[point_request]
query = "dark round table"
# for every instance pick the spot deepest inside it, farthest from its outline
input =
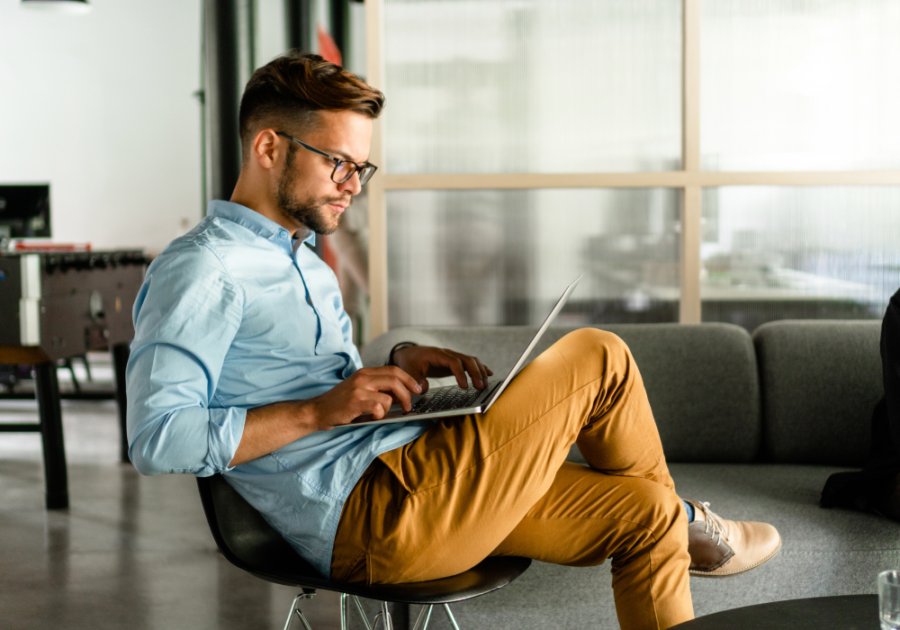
(846, 612)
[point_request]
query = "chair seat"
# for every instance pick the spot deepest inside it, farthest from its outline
(250, 543)
(489, 575)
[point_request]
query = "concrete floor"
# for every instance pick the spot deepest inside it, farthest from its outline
(130, 552)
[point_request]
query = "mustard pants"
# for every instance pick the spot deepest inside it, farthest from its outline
(498, 484)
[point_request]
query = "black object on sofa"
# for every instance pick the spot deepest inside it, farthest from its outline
(754, 425)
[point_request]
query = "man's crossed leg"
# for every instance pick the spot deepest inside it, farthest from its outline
(498, 484)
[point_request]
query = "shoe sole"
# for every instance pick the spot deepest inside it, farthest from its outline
(725, 574)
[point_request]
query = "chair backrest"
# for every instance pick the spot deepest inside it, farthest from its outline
(244, 537)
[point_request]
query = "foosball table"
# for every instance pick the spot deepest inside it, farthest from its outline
(60, 305)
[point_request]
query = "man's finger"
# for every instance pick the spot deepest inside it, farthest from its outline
(375, 374)
(484, 371)
(452, 361)
(378, 405)
(473, 367)
(412, 384)
(396, 386)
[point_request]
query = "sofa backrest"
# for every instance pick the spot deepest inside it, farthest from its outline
(701, 379)
(820, 381)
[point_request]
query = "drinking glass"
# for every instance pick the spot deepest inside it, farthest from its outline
(889, 599)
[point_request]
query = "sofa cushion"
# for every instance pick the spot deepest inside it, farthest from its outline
(701, 379)
(824, 552)
(820, 381)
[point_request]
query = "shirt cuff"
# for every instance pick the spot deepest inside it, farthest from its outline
(226, 426)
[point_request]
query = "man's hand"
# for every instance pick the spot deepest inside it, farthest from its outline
(425, 361)
(366, 391)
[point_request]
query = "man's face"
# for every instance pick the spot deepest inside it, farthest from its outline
(305, 192)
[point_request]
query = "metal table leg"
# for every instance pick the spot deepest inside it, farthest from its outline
(120, 353)
(55, 475)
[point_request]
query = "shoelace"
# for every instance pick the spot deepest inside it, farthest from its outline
(713, 522)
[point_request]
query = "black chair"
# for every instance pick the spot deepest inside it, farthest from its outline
(249, 542)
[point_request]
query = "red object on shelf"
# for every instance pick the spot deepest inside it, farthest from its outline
(328, 49)
(53, 247)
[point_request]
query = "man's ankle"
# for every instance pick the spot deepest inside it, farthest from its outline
(690, 511)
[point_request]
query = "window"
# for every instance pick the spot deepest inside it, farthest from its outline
(732, 161)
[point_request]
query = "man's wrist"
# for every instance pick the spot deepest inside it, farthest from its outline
(397, 348)
(305, 414)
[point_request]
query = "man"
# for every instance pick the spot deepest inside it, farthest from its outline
(876, 488)
(242, 364)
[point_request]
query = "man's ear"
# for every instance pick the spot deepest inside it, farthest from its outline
(266, 148)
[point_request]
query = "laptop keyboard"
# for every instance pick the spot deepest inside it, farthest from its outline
(443, 398)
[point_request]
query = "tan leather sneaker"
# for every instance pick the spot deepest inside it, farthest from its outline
(722, 548)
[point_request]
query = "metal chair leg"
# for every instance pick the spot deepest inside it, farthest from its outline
(302, 619)
(451, 617)
(425, 614)
(387, 622)
(295, 609)
(362, 613)
(385, 616)
(290, 617)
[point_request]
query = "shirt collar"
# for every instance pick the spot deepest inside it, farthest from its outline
(251, 219)
(311, 239)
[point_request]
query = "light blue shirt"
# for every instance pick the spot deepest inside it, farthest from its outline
(231, 316)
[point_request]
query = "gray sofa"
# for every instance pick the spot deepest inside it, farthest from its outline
(754, 425)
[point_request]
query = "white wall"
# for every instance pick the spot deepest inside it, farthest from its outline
(270, 30)
(100, 105)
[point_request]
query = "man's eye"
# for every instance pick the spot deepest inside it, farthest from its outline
(343, 168)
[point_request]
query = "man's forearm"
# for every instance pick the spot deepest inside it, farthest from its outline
(366, 391)
(268, 428)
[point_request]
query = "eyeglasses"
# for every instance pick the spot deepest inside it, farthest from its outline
(343, 169)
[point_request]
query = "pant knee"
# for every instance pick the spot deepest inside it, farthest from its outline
(599, 346)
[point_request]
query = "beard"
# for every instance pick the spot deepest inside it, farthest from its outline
(310, 211)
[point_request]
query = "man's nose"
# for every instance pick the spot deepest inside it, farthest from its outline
(352, 185)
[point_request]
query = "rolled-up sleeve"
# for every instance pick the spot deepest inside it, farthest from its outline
(185, 317)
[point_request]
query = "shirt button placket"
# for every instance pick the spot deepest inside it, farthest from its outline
(312, 306)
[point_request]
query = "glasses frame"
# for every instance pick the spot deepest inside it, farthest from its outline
(362, 169)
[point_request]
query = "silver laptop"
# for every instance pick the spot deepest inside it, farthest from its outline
(439, 402)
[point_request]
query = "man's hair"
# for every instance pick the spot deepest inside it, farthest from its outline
(288, 91)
